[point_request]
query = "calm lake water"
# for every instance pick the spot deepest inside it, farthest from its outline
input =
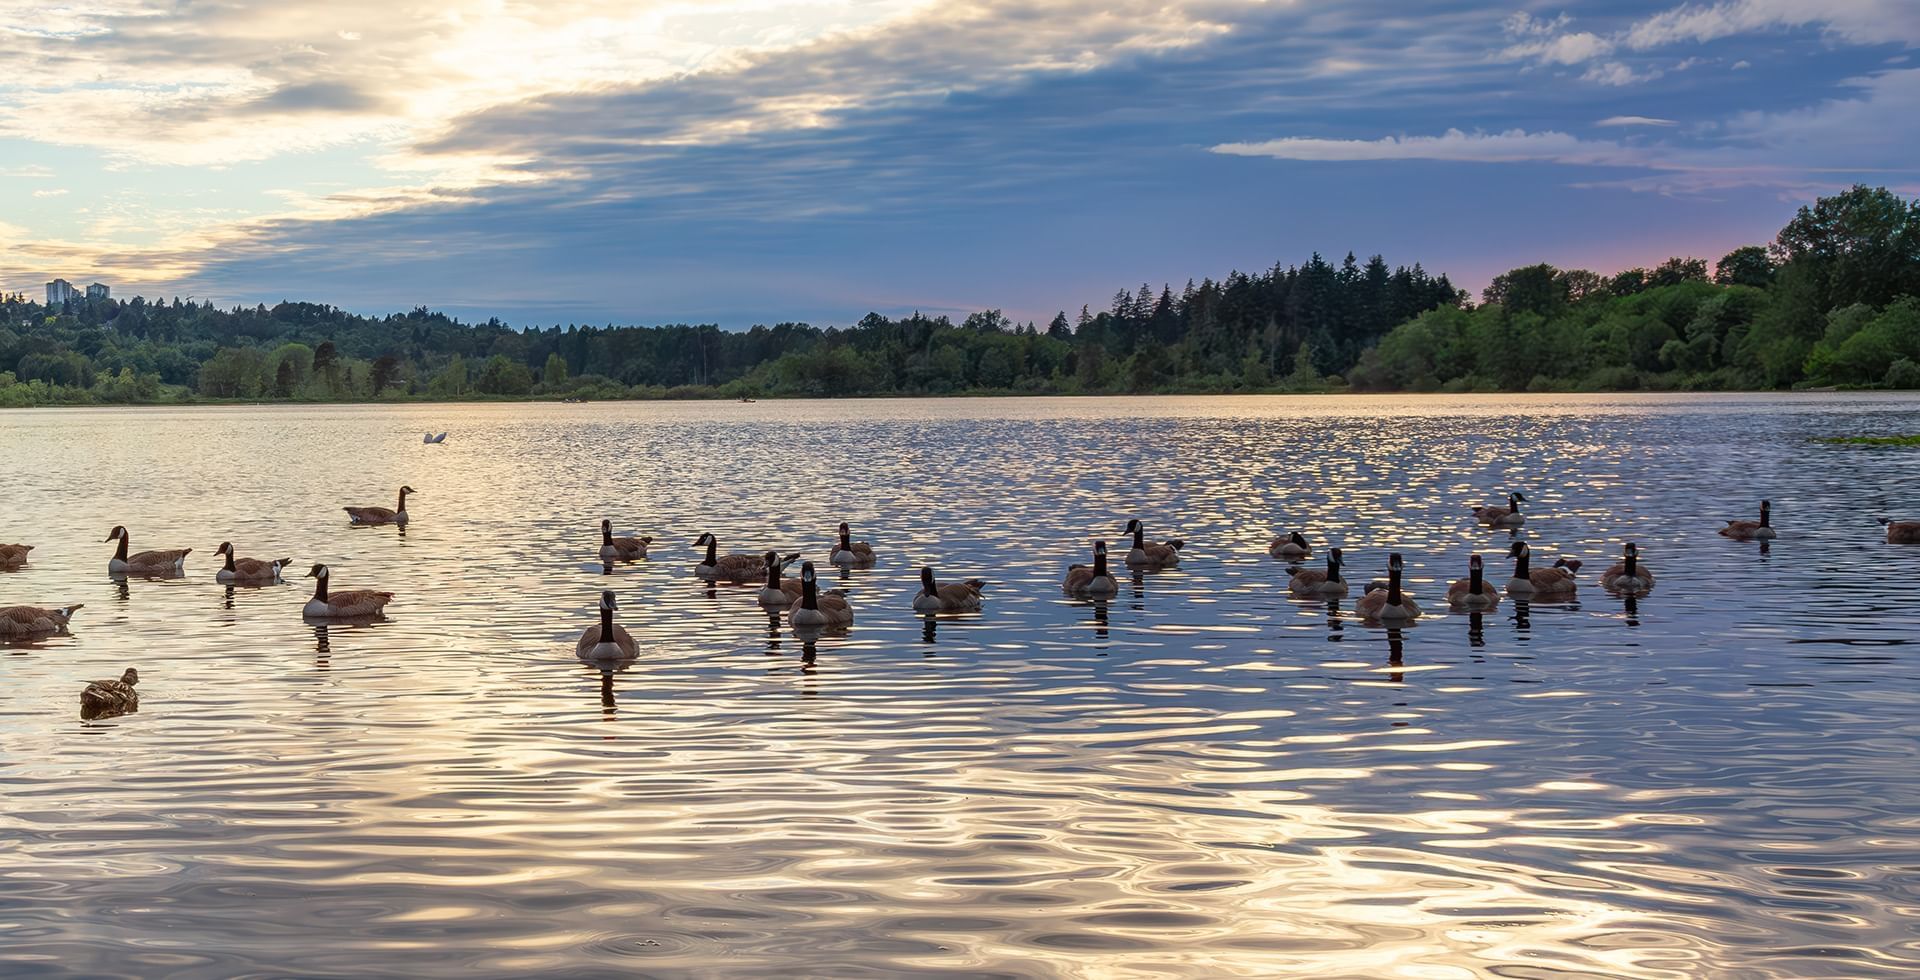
(1200, 778)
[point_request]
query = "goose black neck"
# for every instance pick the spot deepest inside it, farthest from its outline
(1139, 535)
(1513, 503)
(1333, 568)
(926, 582)
(403, 500)
(229, 559)
(606, 623)
(713, 550)
(320, 587)
(1632, 564)
(606, 533)
(1099, 564)
(1475, 575)
(773, 574)
(121, 552)
(1520, 564)
(846, 543)
(1766, 514)
(809, 594)
(1393, 584)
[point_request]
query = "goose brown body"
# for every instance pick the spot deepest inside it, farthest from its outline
(381, 515)
(1319, 582)
(1388, 602)
(606, 639)
(1474, 591)
(777, 590)
(951, 597)
(1760, 530)
(33, 620)
(1151, 554)
(735, 569)
(817, 608)
(144, 562)
(1508, 516)
(352, 604)
(621, 549)
(245, 570)
(1556, 580)
(1289, 546)
(849, 553)
(1091, 580)
(1902, 532)
(14, 555)
(109, 699)
(1628, 574)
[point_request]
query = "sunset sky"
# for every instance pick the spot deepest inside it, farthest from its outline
(744, 161)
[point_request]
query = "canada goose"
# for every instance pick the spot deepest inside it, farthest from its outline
(1092, 580)
(1314, 582)
(737, 569)
(1147, 554)
(624, 549)
(1527, 580)
(30, 620)
(848, 553)
(1508, 516)
(110, 699)
(957, 597)
(14, 555)
(381, 515)
(778, 591)
(1389, 603)
(341, 605)
(1760, 530)
(1474, 591)
(1898, 532)
(1628, 575)
(1293, 545)
(430, 437)
(145, 562)
(247, 569)
(606, 640)
(817, 608)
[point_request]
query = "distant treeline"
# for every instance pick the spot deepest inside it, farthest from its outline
(1830, 301)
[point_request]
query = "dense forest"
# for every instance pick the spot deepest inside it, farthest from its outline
(1832, 301)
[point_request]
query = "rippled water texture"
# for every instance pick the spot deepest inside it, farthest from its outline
(1200, 778)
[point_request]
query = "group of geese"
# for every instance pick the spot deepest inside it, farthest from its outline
(808, 607)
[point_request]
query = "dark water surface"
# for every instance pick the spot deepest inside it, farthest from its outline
(1200, 778)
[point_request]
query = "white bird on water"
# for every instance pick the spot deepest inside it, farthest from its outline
(430, 437)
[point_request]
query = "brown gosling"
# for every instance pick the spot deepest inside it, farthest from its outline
(1902, 532)
(1474, 591)
(1150, 554)
(1091, 580)
(168, 562)
(14, 555)
(1314, 582)
(606, 640)
(736, 569)
(620, 549)
(816, 608)
(370, 516)
(341, 605)
(1508, 516)
(778, 591)
(848, 553)
(248, 569)
(111, 699)
(954, 597)
(1388, 604)
(1530, 581)
(1760, 530)
(33, 620)
(1291, 547)
(1628, 575)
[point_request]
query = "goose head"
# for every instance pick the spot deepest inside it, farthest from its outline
(130, 677)
(226, 548)
(1632, 551)
(1474, 564)
(706, 537)
(1519, 548)
(607, 600)
(1133, 526)
(1298, 538)
(926, 579)
(118, 532)
(806, 573)
(317, 571)
(1099, 549)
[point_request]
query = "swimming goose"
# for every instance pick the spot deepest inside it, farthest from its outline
(1293, 545)
(109, 699)
(606, 640)
(1148, 554)
(1508, 516)
(1902, 532)
(624, 549)
(778, 591)
(248, 569)
(144, 562)
(817, 608)
(1760, 530)
(1527, 580)
(29, 620)
(14, 555)
(737, 569)
(1314, 582)
(848, 553)
(341, 605)
(1094, 580)
(1474, 591)
(381, 515)
(1389, 603)
(957, 597)
(1628, 575)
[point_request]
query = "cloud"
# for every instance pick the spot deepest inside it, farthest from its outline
(1617, 74)
(1635, 121)
(1852, 21)
(310, 97)
(30, 172)
(51, 192)
(1511, 146)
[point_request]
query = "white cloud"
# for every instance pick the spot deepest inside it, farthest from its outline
(1546, 42)
(1617, 73)
(1635, 121)
(1566, 49)
(30, 172)
(1511, 146)
(52, 192)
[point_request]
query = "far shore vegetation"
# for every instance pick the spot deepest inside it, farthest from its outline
(1832, 301)
(1912, 440)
